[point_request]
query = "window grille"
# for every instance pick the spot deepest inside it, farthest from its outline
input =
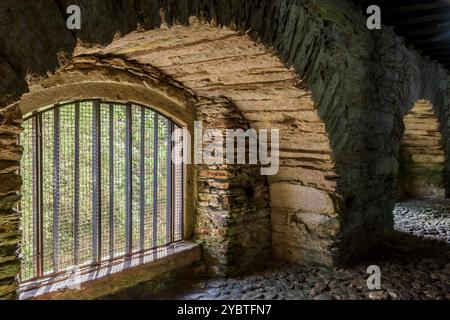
(98, 185)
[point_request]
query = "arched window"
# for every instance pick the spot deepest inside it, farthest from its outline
(99, 184)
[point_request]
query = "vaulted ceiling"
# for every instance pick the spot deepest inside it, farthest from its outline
(424, 23)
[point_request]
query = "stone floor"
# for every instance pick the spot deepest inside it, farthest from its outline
(427, 219)
(415, 264)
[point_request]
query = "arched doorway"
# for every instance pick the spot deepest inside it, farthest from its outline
(422, 159)
(422, 208)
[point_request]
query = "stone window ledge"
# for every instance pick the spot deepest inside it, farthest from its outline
(111, 277)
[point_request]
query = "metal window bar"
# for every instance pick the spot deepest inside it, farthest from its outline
(128, 173)
(142, 182)
(182, 201)
(40, 183)
(169, 193)
(96, 183)
(111, 181)
(155, 181)
(178, 178)
(76, 187)
(37, 187)
(181, 213)
(174, 207)
(56, 242)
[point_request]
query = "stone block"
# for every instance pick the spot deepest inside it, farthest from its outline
(9, 166)
(9, 183)
(300, 198)
(9, 201)
(386, 166)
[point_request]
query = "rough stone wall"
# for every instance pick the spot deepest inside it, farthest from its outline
(233, 214)
(362, 82)
(421, 154)
(10, 183)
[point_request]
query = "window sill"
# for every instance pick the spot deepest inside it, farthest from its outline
(108, 278)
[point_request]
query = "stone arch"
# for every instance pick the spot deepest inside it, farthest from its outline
(422, 157)
(246, 78)
(219, 62)
(66, 86)
(312, 38)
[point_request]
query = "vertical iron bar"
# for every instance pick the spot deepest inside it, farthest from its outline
(96, 183)
(56, 141)
(35, 161)
(169, 202)
(128, 183)
(34, 197)
(175, 216)
(76, 186)
(111, 181)
(37, 186)
(155, 180)
(142, 182)
(41, 194)
(182, 166)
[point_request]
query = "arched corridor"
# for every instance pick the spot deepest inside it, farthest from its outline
(422, 208)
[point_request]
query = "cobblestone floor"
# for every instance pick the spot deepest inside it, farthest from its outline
(427, 219)
(415, 264)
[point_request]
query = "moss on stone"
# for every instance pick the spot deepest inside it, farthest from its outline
(9, 201)
(9, 269)
(8, 287)
(330, 12)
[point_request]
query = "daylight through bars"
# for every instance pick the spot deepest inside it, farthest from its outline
(99, 184)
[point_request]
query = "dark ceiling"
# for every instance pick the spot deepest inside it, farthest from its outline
(424, 23)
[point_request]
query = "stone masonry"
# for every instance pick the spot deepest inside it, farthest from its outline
(10, 237)
(233, 214)
(337, 91)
